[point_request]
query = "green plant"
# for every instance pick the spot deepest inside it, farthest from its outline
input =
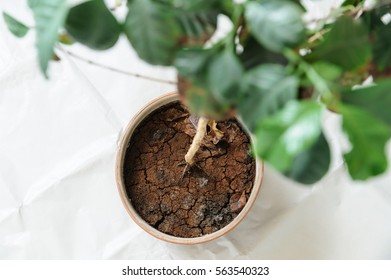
(271, 69)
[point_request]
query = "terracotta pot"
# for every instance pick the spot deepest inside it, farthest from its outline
(127, 134)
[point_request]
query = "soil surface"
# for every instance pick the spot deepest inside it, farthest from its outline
(201, 200)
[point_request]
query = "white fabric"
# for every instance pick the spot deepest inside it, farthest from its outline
(58, 198)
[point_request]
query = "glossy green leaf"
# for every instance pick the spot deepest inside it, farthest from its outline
(196, 20)
(168, 28)
(224, 75)
(15, 26)
(254, 54)
(311, 165)
(276, 24)
(346, 45)
(368, 137)
(327, 70)
(282, 137)
(351, 2)
(193, 5)
(192, 61)
(227, 6)
(196, 27)
(152, 30)
(382, 47)
(49, 16)
(267, 88)
(92, 24)
(375, 99)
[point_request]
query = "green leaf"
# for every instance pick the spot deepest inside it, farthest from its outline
(14, 26)
(267, 88)
(327, 70)
(224, 75)
(193, 5)
(382, 47)
(196, 27)
(282, 137)
(196, 82)
(352, 2)
(93, 25)
(227, 7)
(368, 137)
(167, 29)
(152, 30)
(346, 45)
(276, 24)
(192, 61)
(49, 16)
(380, 35)
(254, 54)
(312, 164)
(197, 20)
(375, 99)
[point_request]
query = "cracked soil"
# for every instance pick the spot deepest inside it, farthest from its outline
(201, 202)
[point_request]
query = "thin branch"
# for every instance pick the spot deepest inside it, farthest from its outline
(317, 35)
(107, 67)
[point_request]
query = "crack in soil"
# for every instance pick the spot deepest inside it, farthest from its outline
(199, 204)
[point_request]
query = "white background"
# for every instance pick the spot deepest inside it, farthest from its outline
(58, 198)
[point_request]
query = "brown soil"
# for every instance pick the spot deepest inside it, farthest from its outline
(208, 197)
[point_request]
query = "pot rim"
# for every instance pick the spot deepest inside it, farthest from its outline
(121, 151)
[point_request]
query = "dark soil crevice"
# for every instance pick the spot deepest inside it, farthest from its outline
(198, 204)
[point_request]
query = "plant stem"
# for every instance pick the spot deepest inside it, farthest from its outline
(115, 69)
(196, 144)
(318, 82)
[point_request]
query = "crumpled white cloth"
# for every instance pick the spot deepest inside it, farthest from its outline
(58, 198)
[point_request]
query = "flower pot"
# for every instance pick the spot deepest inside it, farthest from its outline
(119, 171)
